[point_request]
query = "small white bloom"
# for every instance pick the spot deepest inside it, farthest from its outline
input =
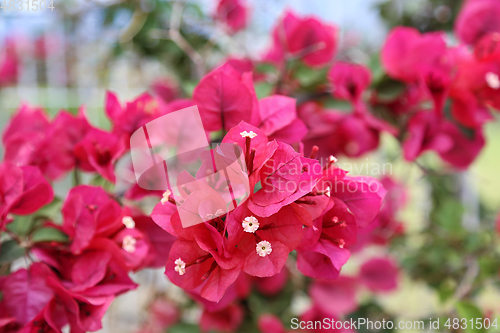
(219, 212)
(341, 243)
(264, 248)
(128, 243)
(180, 266)
(250, 224)
(327, 192)
(332, 159)
(128, 222)
(492, 80)
(250, 134)
(166, 196)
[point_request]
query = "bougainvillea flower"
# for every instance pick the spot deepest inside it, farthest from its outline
(278, 119)
(98, 151)
(349, 80)
(190, 266)
(322, 260)
(232, 13)
(379, 274)
(272, 285)
(88, 212)
(227, 320)
(467, 144)
(26, 293)
(386, 224)
(9, 63)
(475, 89)
(165, 89)
(307, 38)
(335, 297)
(226, 97)
(126, 119)
(447, 139)
(477, 18)
(23, 190)
(46, 145)
(285, 177)
(336, 132)
(407, 54)
(424, 134)
(266, 248)
(269, 323)
(424, 58)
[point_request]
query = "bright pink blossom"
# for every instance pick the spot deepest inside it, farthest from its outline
(232, 13)
(477, 18)
(379, 275)
(226, 97)
(307, 38)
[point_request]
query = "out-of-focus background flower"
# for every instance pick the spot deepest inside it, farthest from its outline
(72, 55)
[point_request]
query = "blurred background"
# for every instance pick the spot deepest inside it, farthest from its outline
(69, 56)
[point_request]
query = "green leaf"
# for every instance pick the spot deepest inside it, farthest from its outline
(184, 328)
(263, 89)
(21, 225)
(10, 251)
(52, 210)
(388, 90)
(338, 104)
(101, 182)
(308, 76)
(469, 311)
(49, 235)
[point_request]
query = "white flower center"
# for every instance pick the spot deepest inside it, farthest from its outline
(128, 222)
(128, 243)
(327, 192)
(492, 80)
(250, 134)
(341, 243)
(263, 248)
(332, 159)
(250, 224)
(180, 266)
(166, 196)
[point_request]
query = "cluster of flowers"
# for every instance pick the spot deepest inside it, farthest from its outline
(446, 92)
(319, 217)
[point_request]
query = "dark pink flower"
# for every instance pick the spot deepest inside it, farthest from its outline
(418, 58)
(477, 18)
(225, 97)
(210, 266)
(127, 119)
(269, 323)
(26, 293)
(31, 140)
(307, 38)
(89, 212)
(272, 285)
(379, 274)
(335, 297)
(455, 146)
(232, 13)
(266, 241)
(226, 321)
(336, 132)
(349, 80)
(475, 89)
(98, 151)
(165, 89)
(285, 177)
(9, 63)
(23, 190)
(279, 121)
